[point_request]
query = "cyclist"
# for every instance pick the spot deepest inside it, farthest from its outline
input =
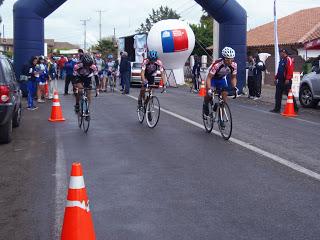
(149, 69)
(217, 77)
(83, 72)
(110, 70)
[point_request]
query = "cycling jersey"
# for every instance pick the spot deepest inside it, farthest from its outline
(100, 65)
(110, 67)
(219, 70)
(150, 69)
(84, 74)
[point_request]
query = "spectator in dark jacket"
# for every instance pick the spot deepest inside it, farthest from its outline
(251, 65)
(196, 73)
(283, 80)
(68, 68)
(125, 71)
(259, 68)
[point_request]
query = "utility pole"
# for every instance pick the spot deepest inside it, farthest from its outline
(100, 24)
(84, 23)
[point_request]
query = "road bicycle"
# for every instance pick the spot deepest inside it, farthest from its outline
(112, 82)
(150, 108)
(84, 113)
(220, 113)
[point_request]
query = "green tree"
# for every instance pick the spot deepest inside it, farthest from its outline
(204, 34)
(106, 46)
(157, 15)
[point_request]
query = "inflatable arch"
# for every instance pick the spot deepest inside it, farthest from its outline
(29, 18)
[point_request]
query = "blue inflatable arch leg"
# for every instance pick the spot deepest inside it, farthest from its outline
(29, 18)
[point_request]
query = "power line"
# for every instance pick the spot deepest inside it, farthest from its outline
(100, 24)
(84, 23)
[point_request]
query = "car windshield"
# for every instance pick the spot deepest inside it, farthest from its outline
(136, 65)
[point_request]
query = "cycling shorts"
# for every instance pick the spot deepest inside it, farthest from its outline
(221, 84)
(150, 81)
(86, 81)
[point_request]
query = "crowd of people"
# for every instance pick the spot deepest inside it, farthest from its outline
(42, 74)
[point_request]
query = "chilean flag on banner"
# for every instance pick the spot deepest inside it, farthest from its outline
(174, 40)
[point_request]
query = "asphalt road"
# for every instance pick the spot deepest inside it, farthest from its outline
(171, 182)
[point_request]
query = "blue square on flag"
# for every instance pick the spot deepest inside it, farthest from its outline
(167, 41)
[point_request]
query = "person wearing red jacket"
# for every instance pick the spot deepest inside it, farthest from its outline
(283, 80)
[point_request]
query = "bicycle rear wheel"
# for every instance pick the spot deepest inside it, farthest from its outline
(112, 84)
(79, 118)
(208, 120)
(85, 116)
(153, 112)
(225, 121)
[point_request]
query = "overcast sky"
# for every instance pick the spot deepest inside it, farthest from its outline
(127, 15)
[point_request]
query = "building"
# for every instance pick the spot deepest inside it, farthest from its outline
(294, 31)
(6, 45)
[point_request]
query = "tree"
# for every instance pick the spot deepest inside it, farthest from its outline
(106, 46)
(203, 33)
(157, 15)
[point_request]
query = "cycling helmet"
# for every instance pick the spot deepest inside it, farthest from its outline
(87, 60)
(110, 56)
(228, 52)
(153, 55)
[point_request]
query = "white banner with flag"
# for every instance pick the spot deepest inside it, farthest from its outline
(276, 40)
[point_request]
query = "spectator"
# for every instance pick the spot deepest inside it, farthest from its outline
(251, 65)
(259, 68)
(196, 73)
(125, 71)
(42, 77)
(283, 80)
(52, 68)
(68, 68)
(32, 82)
(61, 63)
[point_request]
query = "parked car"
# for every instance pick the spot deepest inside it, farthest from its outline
(136, 74)
(10, 100)
(309, 95)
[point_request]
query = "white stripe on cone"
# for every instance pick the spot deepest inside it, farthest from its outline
(55, 96)
(79, 204)
(76, 182)
(56, 104)
(290, 101)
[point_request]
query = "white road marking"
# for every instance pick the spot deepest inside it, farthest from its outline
(248, 146)
(61, 185)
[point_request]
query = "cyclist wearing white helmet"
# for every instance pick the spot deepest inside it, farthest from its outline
(217, 76)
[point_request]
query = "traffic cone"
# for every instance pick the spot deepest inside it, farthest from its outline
(77, 222)
(202, 91)
(289, 108)
(161, 83)
(56, 110)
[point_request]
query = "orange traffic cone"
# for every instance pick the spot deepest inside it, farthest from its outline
(56, 110)
(289, 108)
(161, 83)
(77, 223)
(202, 91)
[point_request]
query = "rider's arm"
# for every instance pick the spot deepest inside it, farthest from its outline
(209, 77)
(234, 80)
(143, 78)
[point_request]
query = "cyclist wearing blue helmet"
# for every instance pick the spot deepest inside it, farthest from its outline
(149, 69)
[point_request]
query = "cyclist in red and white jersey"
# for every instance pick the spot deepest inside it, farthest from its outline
(217, 77)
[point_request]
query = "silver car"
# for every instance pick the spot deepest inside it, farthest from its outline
(309, 95)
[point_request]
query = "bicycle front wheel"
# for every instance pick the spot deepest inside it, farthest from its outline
(225, 121)
(141, 112)
(85, 116)
(153, 112)
(208, 119)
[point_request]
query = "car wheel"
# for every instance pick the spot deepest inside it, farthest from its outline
(306, 97)
(16, 117)
(6, 132)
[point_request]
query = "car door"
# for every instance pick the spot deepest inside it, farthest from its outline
(10, 80)
(316, 83)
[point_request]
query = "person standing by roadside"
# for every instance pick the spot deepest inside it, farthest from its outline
(125, 70)
(52, 68)
(68, 68)
(260, 67)
(32, 82)
(251, 65)
(283, 80)
(196, 73)
(61, 63)
(41, 79)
